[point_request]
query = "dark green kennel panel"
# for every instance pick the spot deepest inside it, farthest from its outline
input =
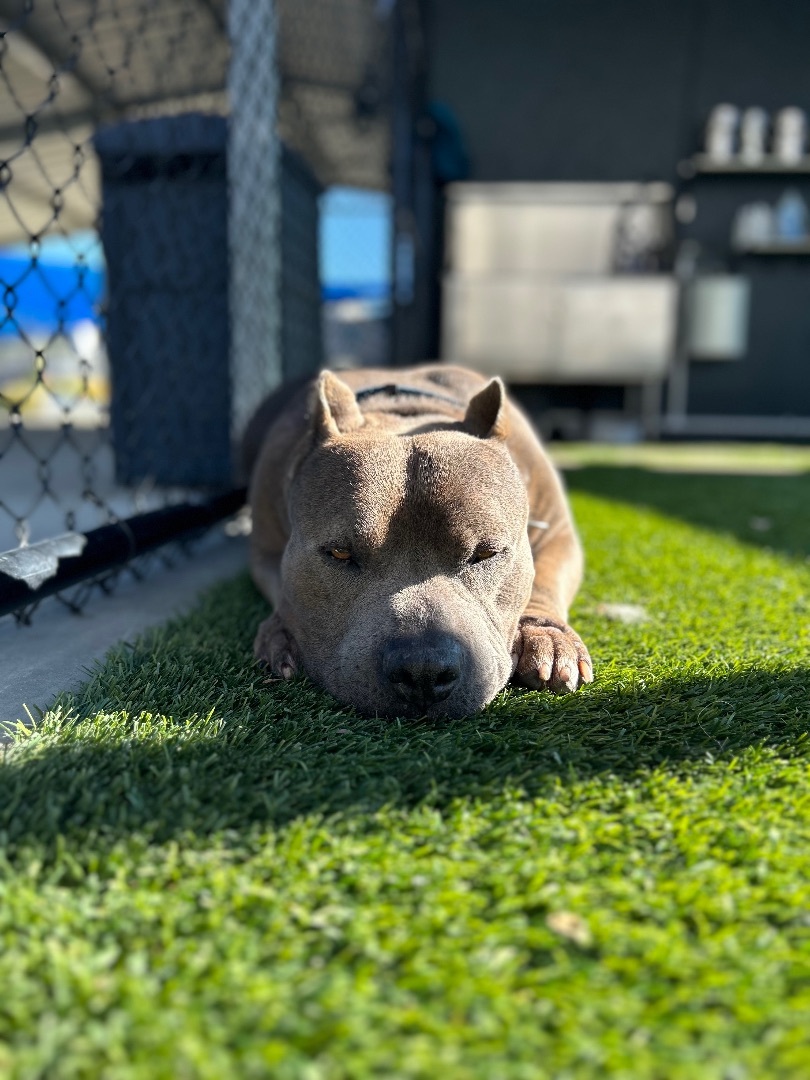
(164, 230)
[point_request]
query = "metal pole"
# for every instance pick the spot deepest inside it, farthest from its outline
(254, 210)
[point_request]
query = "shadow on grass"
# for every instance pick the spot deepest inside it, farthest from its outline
(767, 511)
(301, 755)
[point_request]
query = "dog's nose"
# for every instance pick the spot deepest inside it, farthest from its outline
(422, 670)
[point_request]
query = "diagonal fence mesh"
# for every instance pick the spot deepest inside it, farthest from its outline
(159, 262)
(66, 69)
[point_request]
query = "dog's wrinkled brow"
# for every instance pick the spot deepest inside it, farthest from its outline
(419, 494)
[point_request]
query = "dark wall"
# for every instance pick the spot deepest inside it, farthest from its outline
(607, 89)
(620, 90)
(562, 89)
(751, 52)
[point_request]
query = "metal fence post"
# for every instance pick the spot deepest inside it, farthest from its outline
(254, 208)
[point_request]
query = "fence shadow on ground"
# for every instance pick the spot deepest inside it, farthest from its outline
(267, 772)
(766, 511)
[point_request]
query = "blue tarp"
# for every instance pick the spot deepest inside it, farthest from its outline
(37, 295)
(64, 281)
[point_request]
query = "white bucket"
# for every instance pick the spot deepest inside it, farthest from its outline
(717, 317)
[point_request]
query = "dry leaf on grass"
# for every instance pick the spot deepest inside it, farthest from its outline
(760, 524)
(570, 926)
(626, 613)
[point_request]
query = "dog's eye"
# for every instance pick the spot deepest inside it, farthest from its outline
(482, 552)
(343, 554)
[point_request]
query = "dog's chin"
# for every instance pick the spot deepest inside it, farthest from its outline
(401, 710)
(441, 711)
(467, 701)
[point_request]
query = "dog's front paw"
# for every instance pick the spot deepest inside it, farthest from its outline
(550, 654)
(275, 647)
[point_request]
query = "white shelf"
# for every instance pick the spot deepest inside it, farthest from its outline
(776, 247)
(702, 163)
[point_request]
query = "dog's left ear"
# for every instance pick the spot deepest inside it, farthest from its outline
(486, 414)
(336, 410)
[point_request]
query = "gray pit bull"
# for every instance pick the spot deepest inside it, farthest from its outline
(414, 541)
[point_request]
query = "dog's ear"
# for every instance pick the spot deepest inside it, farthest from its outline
(486, 414)
(335, 411)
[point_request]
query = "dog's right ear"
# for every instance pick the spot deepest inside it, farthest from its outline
(335, 411)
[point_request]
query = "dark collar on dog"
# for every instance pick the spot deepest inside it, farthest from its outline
(395, 390)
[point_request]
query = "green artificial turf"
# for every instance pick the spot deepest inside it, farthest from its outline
(206, 873)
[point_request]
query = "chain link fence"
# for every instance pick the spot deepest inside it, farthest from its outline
(162, 166)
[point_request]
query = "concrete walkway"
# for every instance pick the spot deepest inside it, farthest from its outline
(55, 652)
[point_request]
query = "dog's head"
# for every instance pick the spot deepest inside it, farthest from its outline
(408, 564)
